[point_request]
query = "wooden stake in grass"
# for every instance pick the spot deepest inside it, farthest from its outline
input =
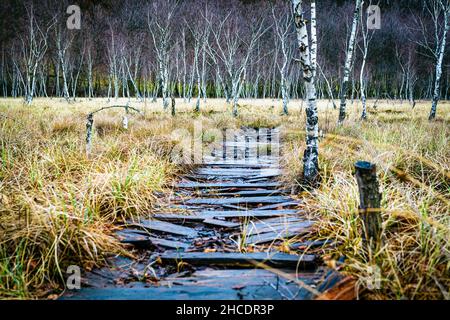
(90, 123)
(89, 126)
(370, 198)
(173, 106)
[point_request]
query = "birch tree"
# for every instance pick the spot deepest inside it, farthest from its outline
(233, 48)
(161, 31)
(349, 61)
(34, 45)
(311, 154)
(282, 26)
(367, 36)
(439, 11)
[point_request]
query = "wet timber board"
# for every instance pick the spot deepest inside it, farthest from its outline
(240, 259)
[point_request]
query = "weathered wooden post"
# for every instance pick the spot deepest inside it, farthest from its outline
(125, 118)
(369, 201)
(247, 146)
(224, 143)
(89, 126)
(235, 147)
(173, 106)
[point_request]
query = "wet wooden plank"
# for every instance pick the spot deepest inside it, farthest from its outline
(276, 220)
(200, 185)
(192, 292)
(140, 240)
(253, 200)
(248, 193)
(247, 214)
(178, 217)
(238, 172)
(165, 227)
(256, 178)
(137, 239)
(240, 259)
(170, 243)
(237, 165)
(278, 235)
(202, 215)
(309, 244)
(279, 205)
(279, 228)
(221, 223)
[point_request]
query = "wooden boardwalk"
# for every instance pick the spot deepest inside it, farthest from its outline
(225, 240)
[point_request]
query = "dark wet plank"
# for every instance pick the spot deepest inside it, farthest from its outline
(236, 165)
(259, 223)
(199, 185)
(169, 243)
(199, 217)
(240, 259)
(248, 193)
(245, 214)
(154, 293)
(165, 227)
(221, 201)
(279, 205)
(279, 235)
(178, 217)
(221, 223)
(237, 172)
(140, 240)
(279, 228)
(309, 244)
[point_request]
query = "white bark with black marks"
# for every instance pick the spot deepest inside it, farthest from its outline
(349, 62)
(311, 154)
(441, 45)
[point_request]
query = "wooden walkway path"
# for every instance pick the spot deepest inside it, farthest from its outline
(224, 242)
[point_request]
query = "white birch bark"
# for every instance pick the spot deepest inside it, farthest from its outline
(348, 62)
(283, 29)
(311, 154)
(440, 57)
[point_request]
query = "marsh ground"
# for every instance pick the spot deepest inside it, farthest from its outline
(58, 206)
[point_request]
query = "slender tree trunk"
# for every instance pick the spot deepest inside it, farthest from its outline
(437, 82)
(311, 155)
(348, 62)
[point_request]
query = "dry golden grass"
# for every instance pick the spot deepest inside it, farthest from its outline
(413, 161)
(58, 207)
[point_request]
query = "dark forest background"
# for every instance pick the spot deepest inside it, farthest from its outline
(397, 66)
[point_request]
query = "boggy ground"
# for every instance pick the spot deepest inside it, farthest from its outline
(59, 207)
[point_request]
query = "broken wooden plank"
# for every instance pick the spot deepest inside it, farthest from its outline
(309, 244)
(278, 235)
(248, 193)
(237, 165)
(280, 228)
(276, 220)
(200, 185)
(279, 205)
(221, 223)
(238, 172)
(178, 217)
(139, 239)
(246, 214)
(169, 243)
(254, 200)
(240, 259)
(165, 227)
